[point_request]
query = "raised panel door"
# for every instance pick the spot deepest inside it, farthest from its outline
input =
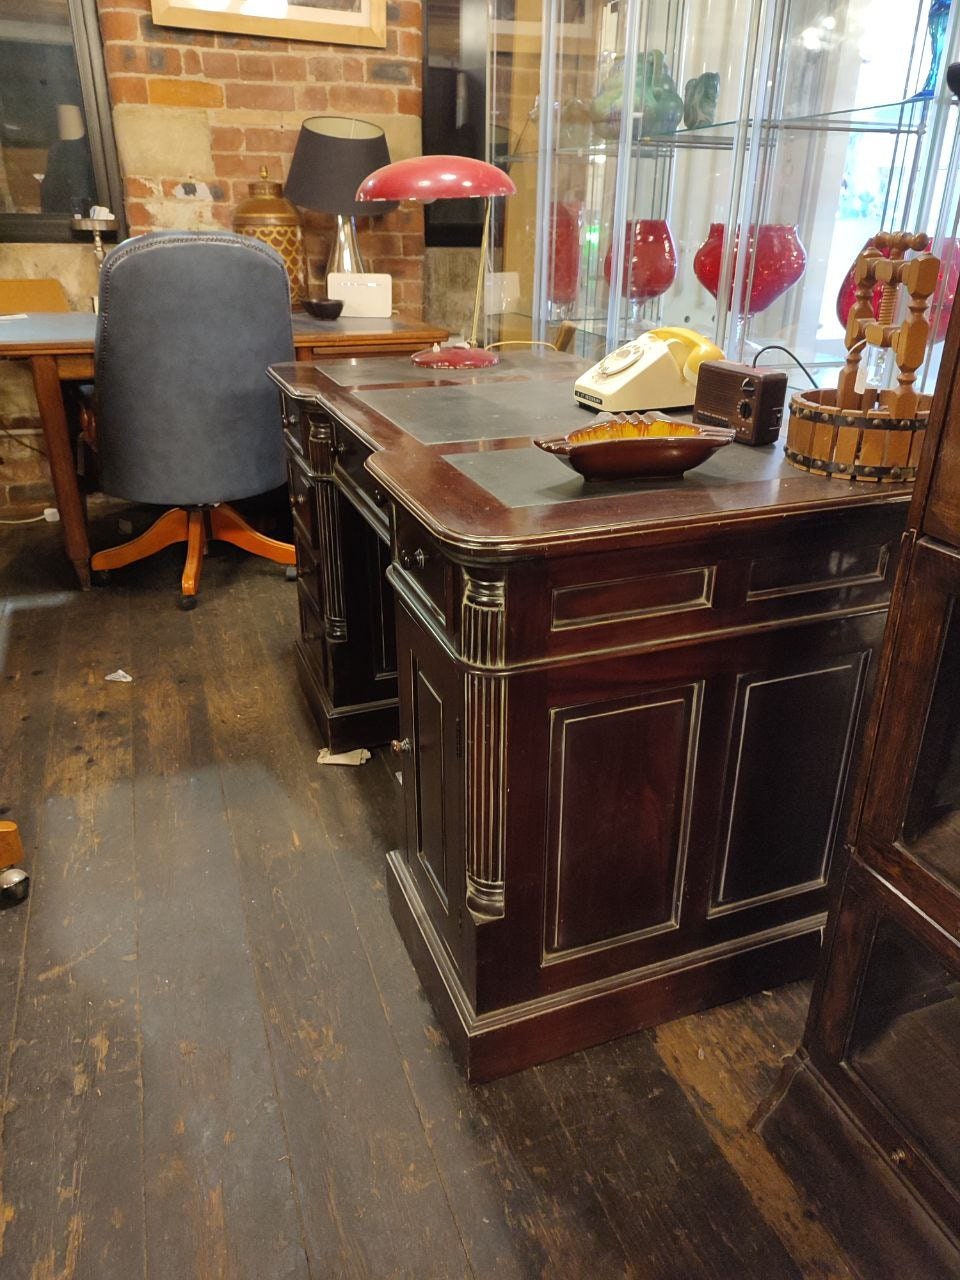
(792, 735)
(430, 749)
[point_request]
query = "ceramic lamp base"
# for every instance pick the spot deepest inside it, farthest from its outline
(455, 358)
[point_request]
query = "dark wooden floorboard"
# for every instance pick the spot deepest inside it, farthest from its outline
(667, 1187)
(220, 1062)
(30, 637)
(213, 1135)
(73, 1184)
(373, 1201)
(523, 1206)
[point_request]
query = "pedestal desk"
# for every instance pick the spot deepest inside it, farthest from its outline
(627, 712)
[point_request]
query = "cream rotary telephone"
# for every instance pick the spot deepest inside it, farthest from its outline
(657, 370)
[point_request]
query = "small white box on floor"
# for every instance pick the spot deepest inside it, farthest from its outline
(364, 293)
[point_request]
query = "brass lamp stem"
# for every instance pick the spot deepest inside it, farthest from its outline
(484, 241)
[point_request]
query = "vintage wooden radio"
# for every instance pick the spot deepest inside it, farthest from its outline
(743, 397)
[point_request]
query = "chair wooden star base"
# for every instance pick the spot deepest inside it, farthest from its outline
(195, 526)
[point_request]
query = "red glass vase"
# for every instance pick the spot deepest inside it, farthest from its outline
(778, 262)
(940, 303)
(649, 260)
(566, 217)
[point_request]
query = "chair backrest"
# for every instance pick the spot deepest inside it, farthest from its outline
(188, 323)
(32, 295)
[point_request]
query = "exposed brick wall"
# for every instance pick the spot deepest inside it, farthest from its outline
(198, 113)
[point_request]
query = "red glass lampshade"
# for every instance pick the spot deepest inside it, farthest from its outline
(649, 260)
(426, 178)
(779, 262)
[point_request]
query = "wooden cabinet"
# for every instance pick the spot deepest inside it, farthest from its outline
(878, 1075)
(625, 778)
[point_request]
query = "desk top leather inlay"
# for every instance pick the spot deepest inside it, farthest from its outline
(528, 477)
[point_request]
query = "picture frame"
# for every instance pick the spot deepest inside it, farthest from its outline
(356, 22)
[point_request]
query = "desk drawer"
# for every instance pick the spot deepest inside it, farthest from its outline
(295, 424)
(303, 500)
(308, 573)
(357, 482)
(422, 560)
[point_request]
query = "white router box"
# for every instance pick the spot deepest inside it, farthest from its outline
(364, 293)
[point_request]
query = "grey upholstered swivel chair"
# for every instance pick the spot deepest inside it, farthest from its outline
(185, 414)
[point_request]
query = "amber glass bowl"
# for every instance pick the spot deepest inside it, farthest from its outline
(633, 447)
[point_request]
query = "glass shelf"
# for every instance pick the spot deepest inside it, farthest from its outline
(885, 117)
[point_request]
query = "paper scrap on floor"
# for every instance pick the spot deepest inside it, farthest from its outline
(326, 756)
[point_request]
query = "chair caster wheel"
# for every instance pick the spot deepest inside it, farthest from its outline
(187, 603)
(290, 573)
(101, 577)
(14, 886)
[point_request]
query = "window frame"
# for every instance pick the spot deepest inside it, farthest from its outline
(56, 228)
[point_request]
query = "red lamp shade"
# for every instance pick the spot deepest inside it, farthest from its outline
(426, 178)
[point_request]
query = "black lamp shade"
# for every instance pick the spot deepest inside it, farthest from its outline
(332, 157)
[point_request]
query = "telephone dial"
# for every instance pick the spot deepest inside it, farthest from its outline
(657, 370)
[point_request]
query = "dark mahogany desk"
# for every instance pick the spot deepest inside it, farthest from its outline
(627, 712)
(60, 346)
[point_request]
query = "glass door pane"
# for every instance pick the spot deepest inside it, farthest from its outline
(931, 828)
(905, 1042)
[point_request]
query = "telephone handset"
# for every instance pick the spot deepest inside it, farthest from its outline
(657, 370)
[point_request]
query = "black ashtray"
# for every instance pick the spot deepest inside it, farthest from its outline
(323, 308)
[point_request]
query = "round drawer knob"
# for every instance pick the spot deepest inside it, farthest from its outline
(401, 746)
(898, 1156)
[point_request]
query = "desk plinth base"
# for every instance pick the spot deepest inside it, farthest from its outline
(347, 727)
(488, 1046)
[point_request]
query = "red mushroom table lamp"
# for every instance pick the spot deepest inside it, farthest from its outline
(427, 178)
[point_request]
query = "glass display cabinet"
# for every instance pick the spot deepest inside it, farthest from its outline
(867, 1114)
(650, 139)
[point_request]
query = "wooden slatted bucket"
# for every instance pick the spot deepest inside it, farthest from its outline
(854, 444)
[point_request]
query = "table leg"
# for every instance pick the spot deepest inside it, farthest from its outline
(53, 418)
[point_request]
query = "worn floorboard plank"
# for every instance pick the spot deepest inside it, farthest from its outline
(373, 1202)
(727, 1061)
(72, 1126)
(662, 1178)
(29, 652)
(522, 1206)
(220, 1201)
